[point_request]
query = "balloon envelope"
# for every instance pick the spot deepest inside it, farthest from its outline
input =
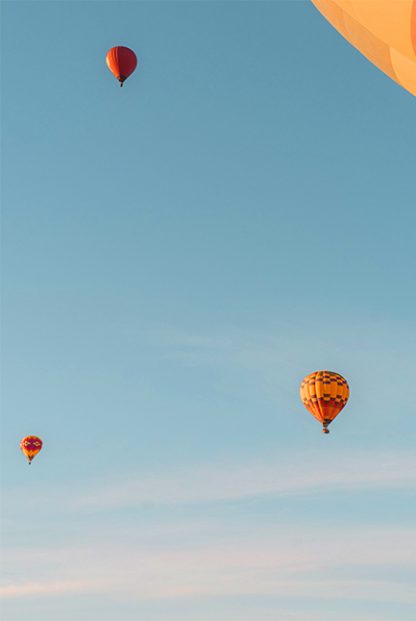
(30, 446)
(121, 61)
(324, 394)
(383, 30)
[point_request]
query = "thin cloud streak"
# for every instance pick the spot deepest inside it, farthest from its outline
(226, 483)
(47, 588)
(360, 589)
(372, 564)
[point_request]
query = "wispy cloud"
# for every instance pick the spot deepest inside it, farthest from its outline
(285, 344)
(274, 357)
(357, 564)
(224, 482)
(185, 558)
(48, 587)
(374, 590)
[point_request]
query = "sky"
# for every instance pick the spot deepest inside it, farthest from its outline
(176, 256)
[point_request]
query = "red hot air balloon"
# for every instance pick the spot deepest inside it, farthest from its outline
(121, 61)
(30, 447)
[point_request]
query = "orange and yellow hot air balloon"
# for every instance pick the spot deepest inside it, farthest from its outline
(30, 447)
(324, 394)
(384, 31)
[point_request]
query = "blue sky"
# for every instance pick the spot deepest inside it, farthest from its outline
(177, 255)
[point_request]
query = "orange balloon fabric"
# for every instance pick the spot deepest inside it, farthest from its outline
(30, 446)
(324, 394)
(121, 61)
(384, 31)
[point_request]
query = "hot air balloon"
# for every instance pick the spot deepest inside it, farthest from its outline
(383, 30)
(30, 447)
(121, 61)
(324, 394)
